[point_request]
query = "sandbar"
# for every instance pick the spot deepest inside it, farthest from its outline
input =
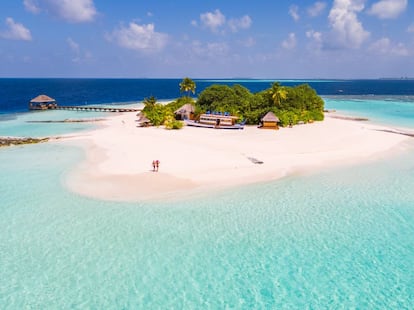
(119, 155)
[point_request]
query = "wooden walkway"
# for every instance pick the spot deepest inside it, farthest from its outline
(96, 109)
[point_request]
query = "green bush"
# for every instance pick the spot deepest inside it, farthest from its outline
(288, 118)
(156, 114)
(177, 125)
(290, 104)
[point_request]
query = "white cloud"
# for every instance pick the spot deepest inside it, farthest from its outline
(316, 39)
(209, 49)
(249, 42)
(213, 20)
(386, 47)
(314, 35)
(31, 6)
(385, 9)
(241, 23)
(74, 48)
(294, 12)
(139, 37)
(79, 56)
(73, 45)
(290, 42)
(410, 28)
(217, 22)
(316, 9)
(347, 30)
(75, 11)
(217, 48)
(16, 31)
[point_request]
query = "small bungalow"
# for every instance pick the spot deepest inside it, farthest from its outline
(142, 120)
(270, 121)
(42, 102)
(185, 112)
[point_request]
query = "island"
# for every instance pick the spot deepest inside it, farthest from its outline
(288, 106)
(196, 162)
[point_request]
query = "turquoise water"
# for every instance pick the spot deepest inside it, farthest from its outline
(27, 124)
(36, 123)
(396, 111)
(340, 238)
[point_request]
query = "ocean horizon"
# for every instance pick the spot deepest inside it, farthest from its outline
(340, 237)
(15, 93)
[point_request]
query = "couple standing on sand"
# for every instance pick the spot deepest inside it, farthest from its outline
(155, 165)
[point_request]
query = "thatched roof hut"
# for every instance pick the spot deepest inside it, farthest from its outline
(42, 102)
(270, 121)
(42, 99)
(185, 112)
(270, 117)
(142, 120)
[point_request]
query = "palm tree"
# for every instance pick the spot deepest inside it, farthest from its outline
(149, 103)
(187, 86)
(278, 93)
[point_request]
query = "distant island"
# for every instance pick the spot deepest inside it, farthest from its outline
(397, 78)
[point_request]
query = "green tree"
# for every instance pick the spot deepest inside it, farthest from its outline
(187, 86)
(278, 93)
(170, 122)
(217, 98)
(154, 111)
(290, 104)
(149, 103)
(156, 115)
(288, 118)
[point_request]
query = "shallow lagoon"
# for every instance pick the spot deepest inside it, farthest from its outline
(340, 238)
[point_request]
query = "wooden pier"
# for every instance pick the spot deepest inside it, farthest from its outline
(96, 109)
(44, 102)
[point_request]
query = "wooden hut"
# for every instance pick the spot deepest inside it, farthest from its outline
(142, 120)
(270, 121)
(42, 102)
(185, 112)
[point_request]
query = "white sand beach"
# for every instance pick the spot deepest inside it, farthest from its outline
(118, 164)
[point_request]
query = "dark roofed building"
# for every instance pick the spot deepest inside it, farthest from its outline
(42, 102)
(142, 120)
(185, 112)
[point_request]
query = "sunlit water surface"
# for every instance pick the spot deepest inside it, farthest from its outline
(340, 238)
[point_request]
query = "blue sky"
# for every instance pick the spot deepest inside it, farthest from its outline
(207, 39)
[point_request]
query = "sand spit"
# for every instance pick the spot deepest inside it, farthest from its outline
(118, 164)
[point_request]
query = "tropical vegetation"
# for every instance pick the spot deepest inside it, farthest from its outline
(188, 86)
(291, 104)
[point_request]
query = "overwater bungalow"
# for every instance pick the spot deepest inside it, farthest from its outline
(269, 121)
(185, 112)
(42, 102)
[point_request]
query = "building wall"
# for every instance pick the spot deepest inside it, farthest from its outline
(272, 125)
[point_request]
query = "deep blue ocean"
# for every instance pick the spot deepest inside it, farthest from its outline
(16, 93)
(338, 238)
